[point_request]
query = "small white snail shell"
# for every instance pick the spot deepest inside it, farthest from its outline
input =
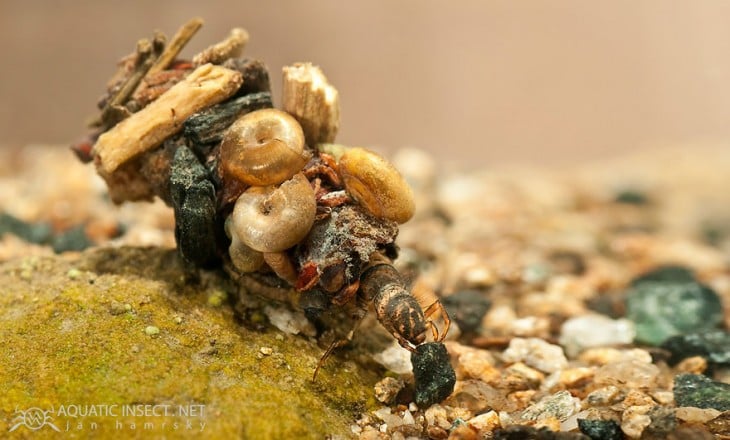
(376, 185)
(271, 218)
(264, 147)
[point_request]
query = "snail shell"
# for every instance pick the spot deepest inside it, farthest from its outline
(263, 147)
(271, 218)
(244, 258)
(376, 185)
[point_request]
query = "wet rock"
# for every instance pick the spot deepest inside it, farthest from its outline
(601, 429)
(666, 302)
(434, 376)
(467, 308)
(712, 345)
(701, 392)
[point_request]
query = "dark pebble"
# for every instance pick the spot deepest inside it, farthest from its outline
(434, 375)
(600, 429)
(663, 421)
(38, 233)
(193, 197)
(667, 302)
(713, 345)
(74, 239)
(520, 432)
(631, 197)
(467, 308)
(701, 392)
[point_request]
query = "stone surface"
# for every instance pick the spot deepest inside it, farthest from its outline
(665, 303)
(65, 342)
(589, 331)
(712, 345)
(600, 429)
(701, 392)
(536, 353)
(467, 308)
(434, 376)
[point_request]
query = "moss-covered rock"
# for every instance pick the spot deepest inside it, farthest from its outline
(119, 327)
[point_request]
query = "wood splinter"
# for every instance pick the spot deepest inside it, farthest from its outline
(231, 47)
(313, 101)
(205, 86)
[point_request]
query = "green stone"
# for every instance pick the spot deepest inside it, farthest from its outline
(700, 391)
(712, 345)
(600, 429)
(664, 304)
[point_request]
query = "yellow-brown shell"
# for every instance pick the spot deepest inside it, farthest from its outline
(274, 218)
(264, 147)
(376, 185)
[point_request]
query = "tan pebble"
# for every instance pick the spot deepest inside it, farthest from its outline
(485, 423)
(635, 420)
(437, 433)
(637, 398)
(694, 365)
(575, 377)
(520, 376)
(605, 396)
(663, 397)
(387, 389)
(477, 364)
(463, 432)
(631, 374)
(696, 415)
(521, 399)
(266, 351)
(436, 416)
(550, 423)
(599, 356)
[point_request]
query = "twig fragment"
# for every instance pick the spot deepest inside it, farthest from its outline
(205, 86)
(231, 47)
(178, 42)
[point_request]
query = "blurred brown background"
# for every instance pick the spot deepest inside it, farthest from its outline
(476, 81)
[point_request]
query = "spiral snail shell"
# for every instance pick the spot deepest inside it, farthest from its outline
(274, 218)
(263, 147)
(376, 185)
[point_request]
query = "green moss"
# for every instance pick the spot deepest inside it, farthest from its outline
(63, 345)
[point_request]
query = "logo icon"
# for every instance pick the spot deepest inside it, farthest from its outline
(33, 419)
